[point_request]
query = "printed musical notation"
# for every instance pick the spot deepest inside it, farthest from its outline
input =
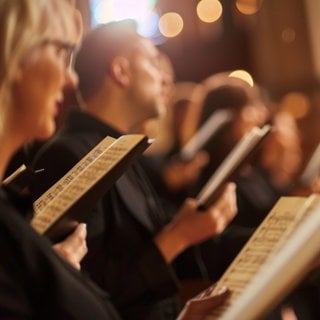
(263, 244)
(42, 202)
(67, 202)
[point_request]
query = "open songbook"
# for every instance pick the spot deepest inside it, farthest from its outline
(69, 200)
(275, 259)
(231, 164)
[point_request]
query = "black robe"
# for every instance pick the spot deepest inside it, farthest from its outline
(35, 283)
(122, 258)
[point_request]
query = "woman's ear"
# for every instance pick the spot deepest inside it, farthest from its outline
(120, 71)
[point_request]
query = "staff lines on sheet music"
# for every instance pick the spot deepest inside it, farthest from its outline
(261, 246)
(284, 270)
(78, 186)
(43, 201)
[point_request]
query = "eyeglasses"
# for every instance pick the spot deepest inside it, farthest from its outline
(65, 50)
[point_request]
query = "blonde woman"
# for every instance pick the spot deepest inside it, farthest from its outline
(36, 45)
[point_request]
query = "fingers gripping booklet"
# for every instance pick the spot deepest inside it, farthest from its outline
(70, 200)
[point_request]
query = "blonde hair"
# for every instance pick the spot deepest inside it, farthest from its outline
(24, 24)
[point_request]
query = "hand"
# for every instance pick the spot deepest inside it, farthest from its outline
(74, 247)
(179, 174)
(190, 226)
(199, 307)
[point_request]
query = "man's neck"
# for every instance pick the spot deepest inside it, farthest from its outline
(117, 112)
(109, 116)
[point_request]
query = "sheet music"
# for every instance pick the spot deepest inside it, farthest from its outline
(237, 155)
(282, 272)
(277, 227)
(206, 131)
(76, 184)
(51, 193)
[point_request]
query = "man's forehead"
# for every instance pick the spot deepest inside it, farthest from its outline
(146, 46)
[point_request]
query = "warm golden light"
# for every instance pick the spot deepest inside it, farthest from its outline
(296, 103)
(248, 7)
(243, 75)
(209, 10)
(170, 24)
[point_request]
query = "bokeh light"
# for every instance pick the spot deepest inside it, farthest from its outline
(209, 10)
(102, 12)
(248, 7)
(243, 75)
(148, 27)
(170, 24)
(142, 11)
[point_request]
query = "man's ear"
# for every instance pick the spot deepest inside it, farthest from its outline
(120, 70)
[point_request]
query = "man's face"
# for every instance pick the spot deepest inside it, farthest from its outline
(146, 80)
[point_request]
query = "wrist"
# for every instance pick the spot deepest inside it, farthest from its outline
(170, 243)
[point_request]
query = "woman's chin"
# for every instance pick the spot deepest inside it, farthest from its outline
(46, 133)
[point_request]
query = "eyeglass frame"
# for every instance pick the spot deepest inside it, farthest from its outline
(68, 47)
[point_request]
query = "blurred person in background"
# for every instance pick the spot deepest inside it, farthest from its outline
(172, 175)
(272, 171)
(245, 107)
